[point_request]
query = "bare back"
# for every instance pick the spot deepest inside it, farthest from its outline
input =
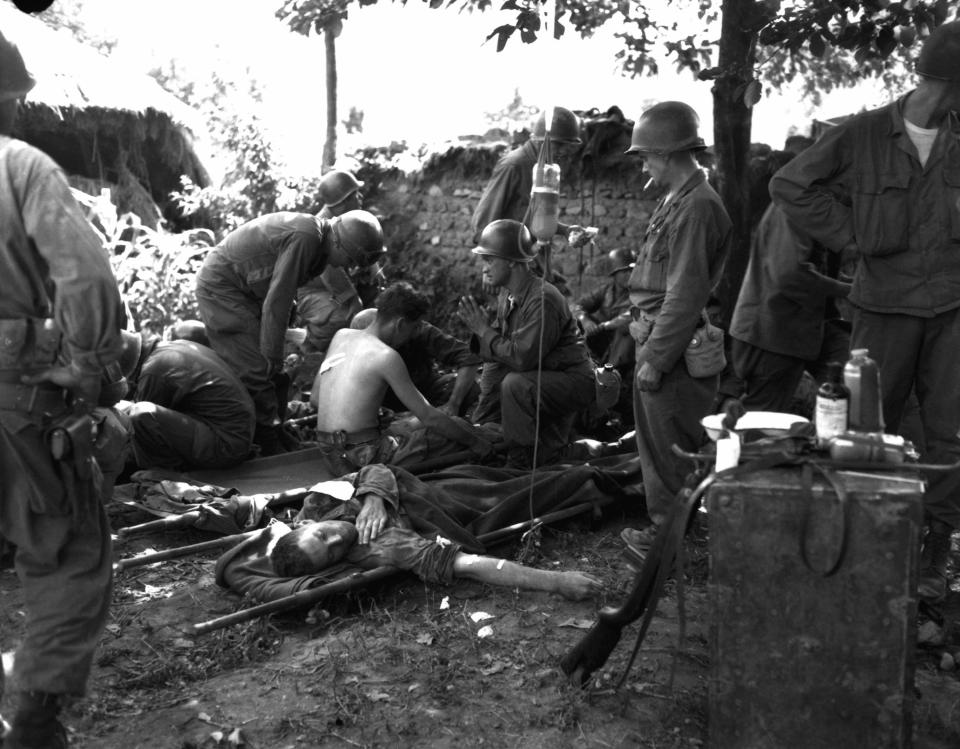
(352, 381)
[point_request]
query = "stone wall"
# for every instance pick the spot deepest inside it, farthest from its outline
(427, 217)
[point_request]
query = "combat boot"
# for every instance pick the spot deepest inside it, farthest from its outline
(35, 724)
(934, 556)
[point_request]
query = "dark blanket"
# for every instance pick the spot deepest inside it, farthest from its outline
(462, 504)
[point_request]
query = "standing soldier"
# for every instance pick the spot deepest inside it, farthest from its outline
(677, 268)
(885, 184)
(246, 289)
(60, 315)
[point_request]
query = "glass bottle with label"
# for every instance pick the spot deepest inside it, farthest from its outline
(832, 408)
(862, 376)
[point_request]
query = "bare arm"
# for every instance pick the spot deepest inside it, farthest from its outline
(466, 376)
(397, 376)
(570, 584)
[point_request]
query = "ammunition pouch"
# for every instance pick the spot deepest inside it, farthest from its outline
(28, 343)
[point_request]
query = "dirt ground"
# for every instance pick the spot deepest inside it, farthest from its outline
(411, 665)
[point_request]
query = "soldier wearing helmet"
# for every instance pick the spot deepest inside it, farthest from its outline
(340, 192)
(507, 192)
(246, 288)
(60, 314)
(884, 185)
(678, 267)
(328, 302)
(533, 345)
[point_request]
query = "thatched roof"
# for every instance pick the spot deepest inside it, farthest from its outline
(103, 124)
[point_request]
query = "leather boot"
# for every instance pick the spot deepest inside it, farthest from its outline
(35, 724)
(934, 556)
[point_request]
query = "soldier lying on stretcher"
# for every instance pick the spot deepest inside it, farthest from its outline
(362, 524)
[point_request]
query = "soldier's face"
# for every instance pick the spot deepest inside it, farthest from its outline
(496, 270)
(327, 542)
(655, 165)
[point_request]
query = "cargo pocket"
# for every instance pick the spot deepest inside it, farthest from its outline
(881, 214)
(13, 336)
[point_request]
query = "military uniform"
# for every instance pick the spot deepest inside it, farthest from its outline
(531, 329)
(191, 411)
(245, 292)
(905, 219)
(58, 302)
(680, 260)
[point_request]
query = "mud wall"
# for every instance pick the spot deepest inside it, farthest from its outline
(427, 219)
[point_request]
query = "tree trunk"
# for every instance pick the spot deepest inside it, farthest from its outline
(732, 123)
(330, 48)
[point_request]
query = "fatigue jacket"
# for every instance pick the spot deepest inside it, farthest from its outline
(682, 255)
(783, 298)
(515, 338)
(904, 217)
(52, 265)
(192, 379)
(265, 261)
(507, 193)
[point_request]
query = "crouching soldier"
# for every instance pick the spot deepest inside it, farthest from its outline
(533, 350)
(60, 314)
(190, 410)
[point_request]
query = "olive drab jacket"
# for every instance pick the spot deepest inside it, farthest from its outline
(903, 216)
(83, 301)
(265, 261)
(685, 246)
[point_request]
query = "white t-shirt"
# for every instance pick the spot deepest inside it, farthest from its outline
(922, 138)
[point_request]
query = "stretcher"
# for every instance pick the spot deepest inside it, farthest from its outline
(492, 504)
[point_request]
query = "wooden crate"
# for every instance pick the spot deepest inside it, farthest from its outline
(801, 660)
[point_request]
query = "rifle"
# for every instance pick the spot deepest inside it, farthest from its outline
(596, 645)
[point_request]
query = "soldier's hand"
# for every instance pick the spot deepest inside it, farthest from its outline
(371, 519)
(590, 328)
(472, 314)
(82, 384)
(648, 377)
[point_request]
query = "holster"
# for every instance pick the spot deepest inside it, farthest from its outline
(70, 438)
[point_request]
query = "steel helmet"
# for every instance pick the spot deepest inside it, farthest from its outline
(190, 330)
(620, 259)
(130, 355)
(565, 126)
(507, 239)
(15, 81)
(337, 186)
(666, 128)
(940, 55)
(360, 236)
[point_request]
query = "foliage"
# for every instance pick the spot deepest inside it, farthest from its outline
(69, 15)
(155, 269)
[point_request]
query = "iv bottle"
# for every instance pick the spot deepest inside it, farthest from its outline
(832, 408)
(862, 378)
(545, 201)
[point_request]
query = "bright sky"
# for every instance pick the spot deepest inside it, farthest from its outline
(419, 75)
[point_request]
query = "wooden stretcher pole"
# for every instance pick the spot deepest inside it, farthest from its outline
(302, 598)
(183, 551)
(314, 595)
(183, 520)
